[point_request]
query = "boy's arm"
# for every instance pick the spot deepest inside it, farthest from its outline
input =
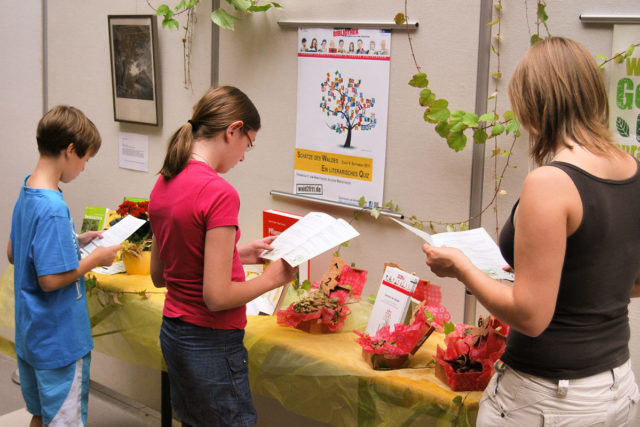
(9, 252)
(102, 255)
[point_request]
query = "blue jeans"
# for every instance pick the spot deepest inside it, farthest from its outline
(208, 374)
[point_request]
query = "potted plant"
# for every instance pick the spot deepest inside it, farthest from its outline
(136, 250)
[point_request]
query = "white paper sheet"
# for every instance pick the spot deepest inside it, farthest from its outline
(116, 234)
(476, 244)
(314, 234)
(115, 268)
(134, 151)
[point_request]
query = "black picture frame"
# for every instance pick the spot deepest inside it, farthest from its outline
(134, 69)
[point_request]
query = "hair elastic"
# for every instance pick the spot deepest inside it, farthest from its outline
(194, 125)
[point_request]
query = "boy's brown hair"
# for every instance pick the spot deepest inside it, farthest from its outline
(63, 125)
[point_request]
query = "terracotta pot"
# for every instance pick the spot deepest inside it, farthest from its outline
(385, 361)
(313, 327)
(137, 264)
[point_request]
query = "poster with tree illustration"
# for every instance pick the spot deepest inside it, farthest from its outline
(624, 91)
(341, 123)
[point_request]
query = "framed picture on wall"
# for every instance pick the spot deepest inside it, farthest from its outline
(134, 69)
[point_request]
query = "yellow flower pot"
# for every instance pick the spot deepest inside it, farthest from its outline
(140, 264)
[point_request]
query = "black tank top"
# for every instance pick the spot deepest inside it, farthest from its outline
(589, 332)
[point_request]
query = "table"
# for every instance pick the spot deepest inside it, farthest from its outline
(323, 377)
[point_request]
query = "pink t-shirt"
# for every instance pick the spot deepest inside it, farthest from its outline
(181, 211)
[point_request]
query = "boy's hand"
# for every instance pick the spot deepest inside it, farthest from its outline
(104, 255)
(85, 238)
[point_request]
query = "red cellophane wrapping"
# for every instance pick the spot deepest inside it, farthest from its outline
(486, 350)
(396, 344)
(350, 284)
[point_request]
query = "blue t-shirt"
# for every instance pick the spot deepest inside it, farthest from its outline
(52, 328)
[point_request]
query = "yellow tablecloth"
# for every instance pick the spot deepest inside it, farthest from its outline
(319, 376)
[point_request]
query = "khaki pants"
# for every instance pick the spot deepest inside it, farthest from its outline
(513, 398)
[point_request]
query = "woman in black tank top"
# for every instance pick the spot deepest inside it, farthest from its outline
(574, 242)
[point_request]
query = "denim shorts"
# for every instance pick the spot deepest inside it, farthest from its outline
(208, 374)
(514, 398)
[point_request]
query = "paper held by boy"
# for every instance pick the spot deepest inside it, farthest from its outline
(315, 233)
(476, 244)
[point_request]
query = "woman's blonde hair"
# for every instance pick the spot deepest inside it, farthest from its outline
(557, 92)
(218, 108)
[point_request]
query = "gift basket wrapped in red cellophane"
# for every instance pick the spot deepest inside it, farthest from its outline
(323, 306)
(467, 362)
(390, 349)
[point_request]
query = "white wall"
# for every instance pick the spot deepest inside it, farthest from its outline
(423, 176)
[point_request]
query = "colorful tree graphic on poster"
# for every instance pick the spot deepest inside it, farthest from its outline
(347, 104)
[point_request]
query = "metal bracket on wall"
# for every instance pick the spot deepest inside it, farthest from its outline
(590, 18)
(389, 25)
(383, 212)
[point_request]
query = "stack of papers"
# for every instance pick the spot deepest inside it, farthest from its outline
(476, 244)
(314, 234)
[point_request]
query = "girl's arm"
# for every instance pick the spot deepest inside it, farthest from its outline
(157, 267)
(219, 292)
(250, 253)
(540, 243)
(9, 252)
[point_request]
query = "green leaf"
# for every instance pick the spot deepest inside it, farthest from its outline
(262, 8)
(180, 5)
(163, 9)
(496, 75)
(306, 285)
(487, 117)
(448, 328)
(508, 115)
(535, 39)
(512, 125)
(457, 127)
(464, 226)
(431, 227)
(601, 57)
(451, 228)
(457, 140)
(480, 136)
(221, 18)
(419, 80)
(362, 201)
(618, 58)
(542, 13)
(457, 401)
(494, 22)
(276, 4)
(437, 111)
(458, 115)
(497, 129)
(443, 129)
(240, 5)
(399, 18)
(470, 120)
(426, 97)
(375, 213)
(629, 51)
(622, 126)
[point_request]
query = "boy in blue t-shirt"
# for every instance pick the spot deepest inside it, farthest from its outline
(53, 333)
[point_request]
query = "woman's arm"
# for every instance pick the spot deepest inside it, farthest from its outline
(635, 291)
(547, 201)
(219, 292)
(157, 267)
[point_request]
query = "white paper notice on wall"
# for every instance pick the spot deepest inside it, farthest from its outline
(133, 150)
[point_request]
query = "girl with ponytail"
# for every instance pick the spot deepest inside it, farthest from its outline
(194, 216)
